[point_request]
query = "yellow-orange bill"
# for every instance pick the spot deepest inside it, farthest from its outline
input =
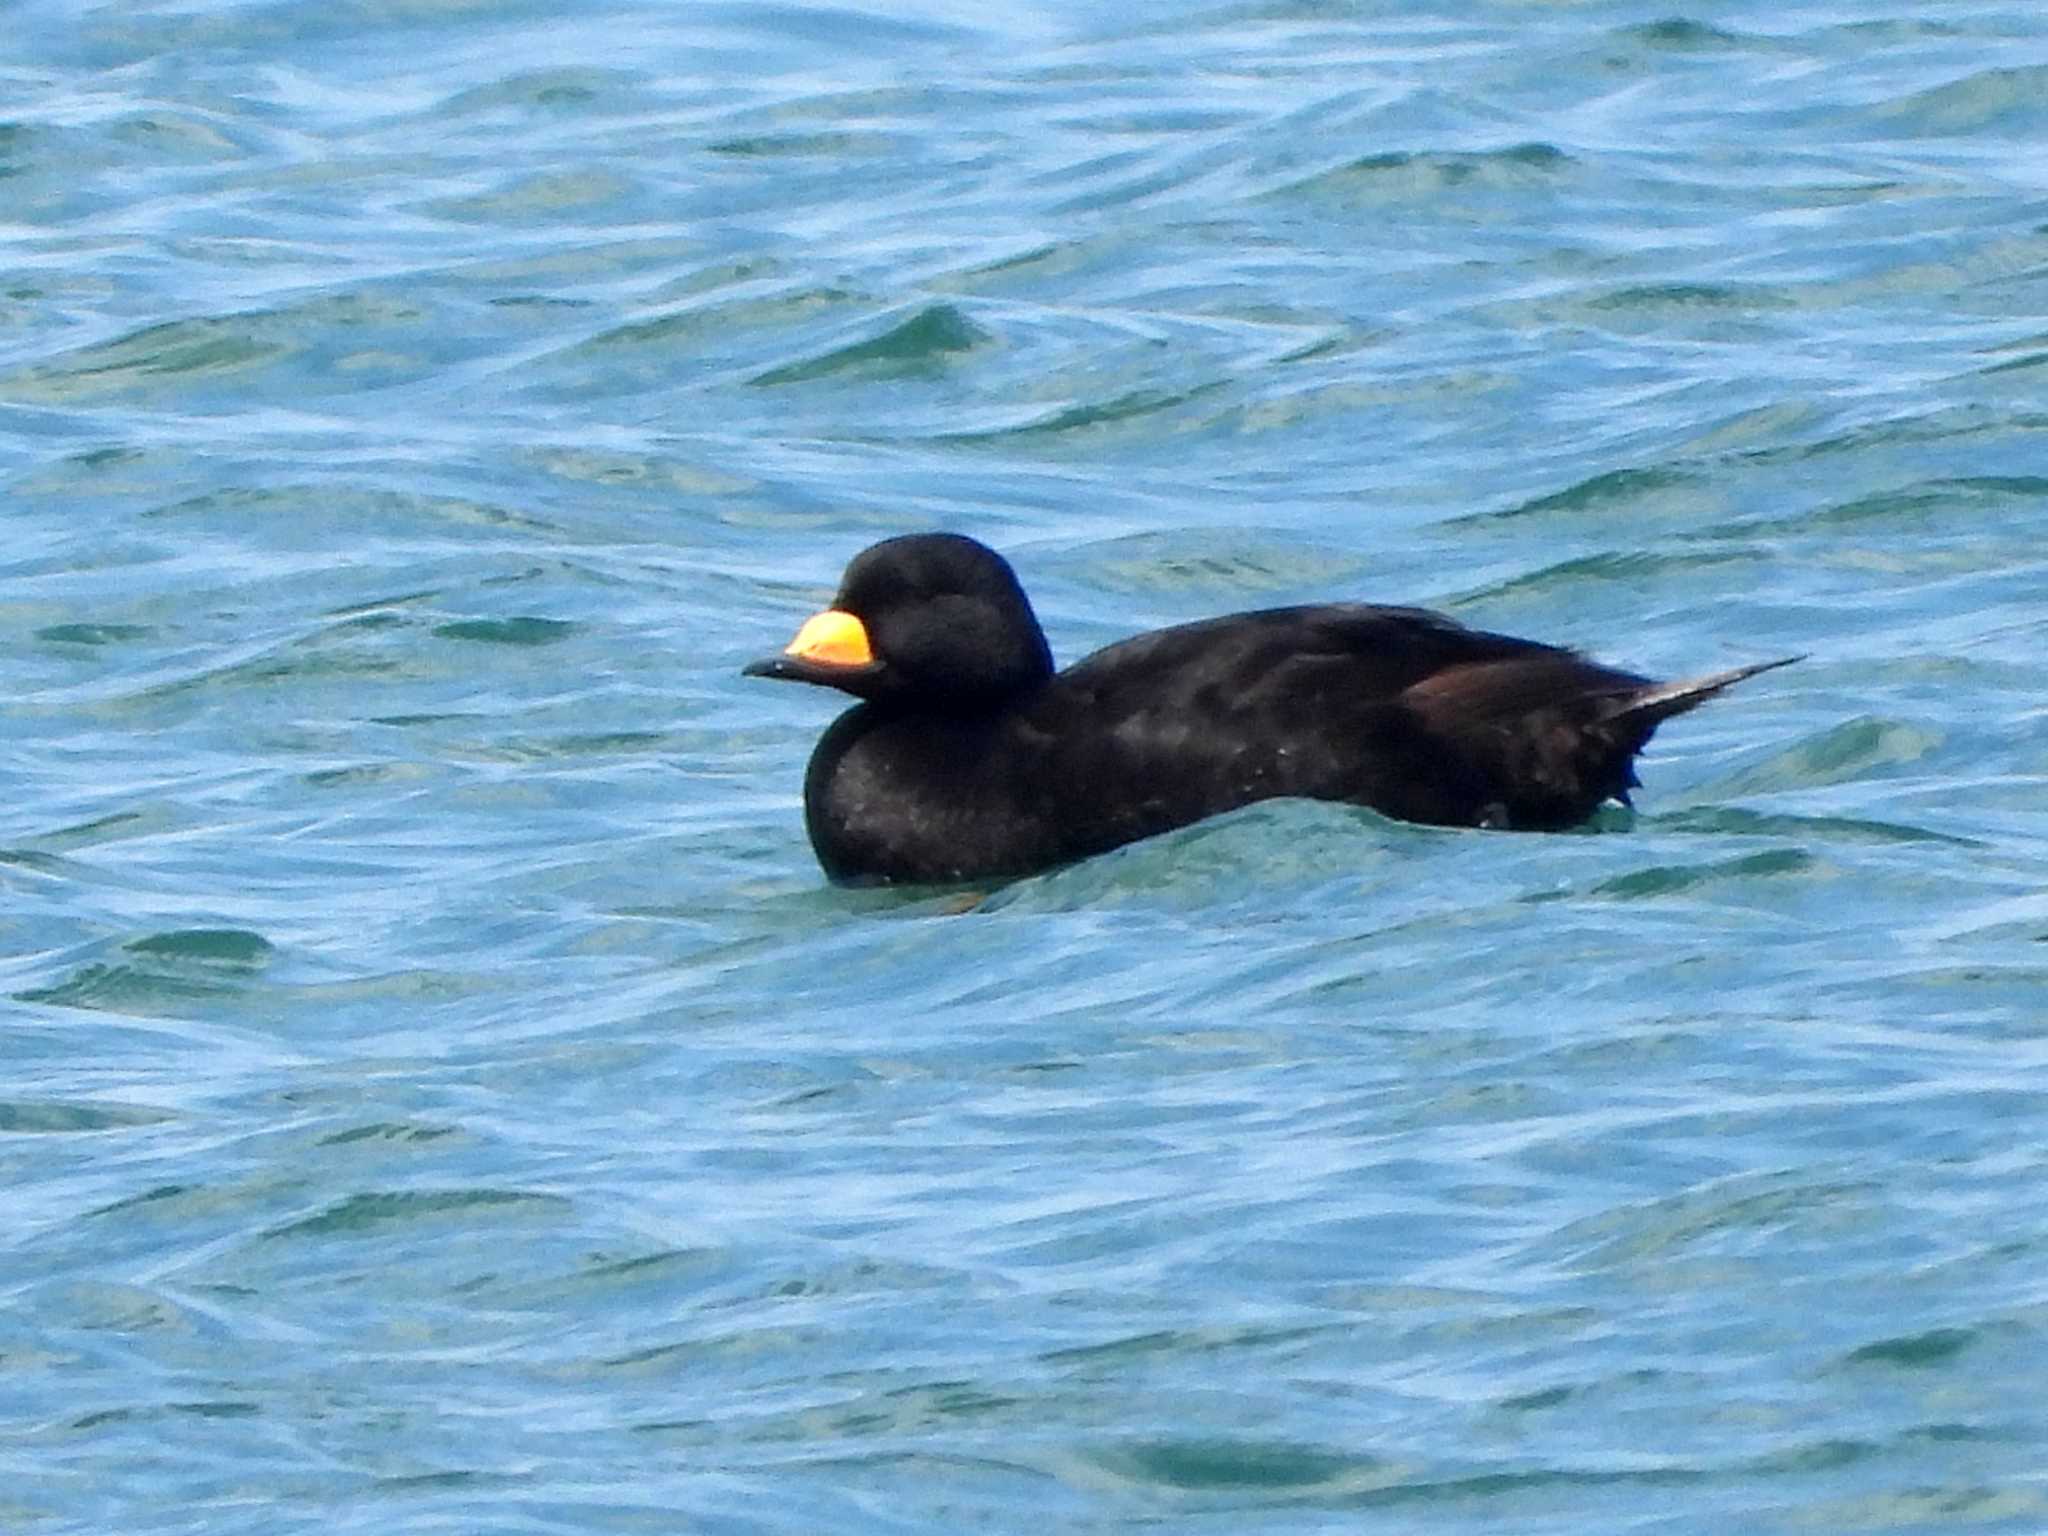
(833, 637)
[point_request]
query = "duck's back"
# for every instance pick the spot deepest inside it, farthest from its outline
(1400, 709)
(1282, 664)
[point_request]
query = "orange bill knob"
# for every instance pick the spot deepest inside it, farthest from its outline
(834, 638)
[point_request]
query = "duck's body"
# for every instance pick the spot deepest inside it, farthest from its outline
(971, 757)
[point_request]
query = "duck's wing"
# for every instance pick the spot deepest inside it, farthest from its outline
(1551, 737)
(1177, 724)
(1258, 660)
(1401, 709)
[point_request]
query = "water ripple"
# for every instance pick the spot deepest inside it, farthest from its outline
(443, 1092)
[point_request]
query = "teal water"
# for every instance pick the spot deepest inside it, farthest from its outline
(440, 1093)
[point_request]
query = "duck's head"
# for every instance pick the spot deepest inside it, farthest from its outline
(936, 620)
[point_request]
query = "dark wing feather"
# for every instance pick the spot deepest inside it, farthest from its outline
(1189, 721)
(1558, 734)
(1247, 656)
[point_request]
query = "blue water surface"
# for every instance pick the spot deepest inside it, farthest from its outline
(440, 1092)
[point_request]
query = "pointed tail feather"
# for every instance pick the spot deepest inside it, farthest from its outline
(1648, 707)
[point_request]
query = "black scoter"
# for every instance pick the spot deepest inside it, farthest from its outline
(970, 756)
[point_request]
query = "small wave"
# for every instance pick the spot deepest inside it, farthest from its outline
(2013, 100)
(1051, 270)
(1541, 1398)
(50, 864)
(1733, 314)
(920, 344)
(820, 144)
(1915, 1351)
(568, 90)
(658, 472)
(43, 1117)
(1679, 34)
(1853, 750)
(361, 1214)
(222, 1408)
(1218, 1465)
(1964, 1507)
(1118, 1355)
(1927, 504)
(663, 1272)
(342, 510)
(300, 658)
(1736, 1212)
(235, 948)
(174, 352)
(1407, 174)
(158, 1200)
(177, 355)
(356, 775)
(388, 1132)
(18, 145)
(1085, 417)
(1603, 495)
(568, 747)
(1740, 821)
(519, 630)
(2025, 364)
(1226, 563)
(1282, 842)
(166, 972)
(93, 634)
(1817, 1456)
(1953, 425)
(1677, 879)
(1965, 496)
(1230, 1470)
(731, 317)
(1634, 567)
(1652, 298)
(524, 200)
(114, 827)
(186, 137)
(1124, 179)
(135, 989)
